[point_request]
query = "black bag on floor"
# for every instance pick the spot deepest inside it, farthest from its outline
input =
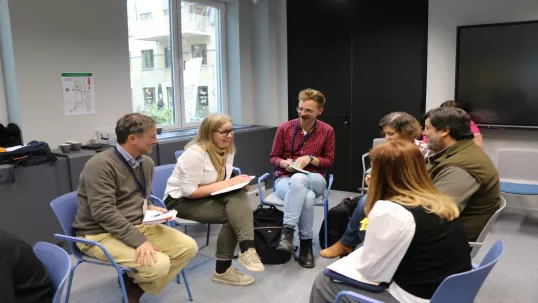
(338, 218)
(268, 221)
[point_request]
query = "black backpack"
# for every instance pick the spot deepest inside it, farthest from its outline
(338, 218)
(34, 153)
(10, 135)
(268, 221)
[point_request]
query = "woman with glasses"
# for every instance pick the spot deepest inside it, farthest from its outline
(204, 168)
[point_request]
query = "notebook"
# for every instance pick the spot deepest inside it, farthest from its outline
(347, 267)
(294, 166)
(233, 187)
(157, 217)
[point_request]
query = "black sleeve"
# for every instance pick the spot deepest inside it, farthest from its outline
(7, 292)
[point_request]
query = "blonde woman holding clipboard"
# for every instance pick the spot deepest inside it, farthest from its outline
(204, 169)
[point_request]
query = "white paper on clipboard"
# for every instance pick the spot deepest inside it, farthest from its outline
(233, 187)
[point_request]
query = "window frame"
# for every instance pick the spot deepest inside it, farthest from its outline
(151, 51)
(177, 62)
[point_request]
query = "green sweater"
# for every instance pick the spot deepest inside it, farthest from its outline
(485, 201)
(109, 199)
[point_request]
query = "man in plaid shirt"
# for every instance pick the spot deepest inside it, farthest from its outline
(307, 144)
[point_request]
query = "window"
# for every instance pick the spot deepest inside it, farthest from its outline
(170, 97)
(167, 57)
(199, 51)
(147, 59)
(149, 96)
(187, 84)
(146, 16)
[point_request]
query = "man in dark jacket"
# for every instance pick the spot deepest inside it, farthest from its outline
(23, 278)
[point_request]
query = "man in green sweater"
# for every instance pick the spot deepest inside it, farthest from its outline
(461, 169)
(113, 195)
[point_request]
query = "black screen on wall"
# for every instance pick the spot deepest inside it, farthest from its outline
(497, 73)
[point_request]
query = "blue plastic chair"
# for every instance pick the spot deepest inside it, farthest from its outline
(57, 263)
(65, 207)
(274, 200)
(519, 189)
(358, 297)
(462, 287)
(158, 186)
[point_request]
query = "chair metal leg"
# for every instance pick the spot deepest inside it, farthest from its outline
(122, 286)
(178, 279)
(187, 285)
(325, 214)
(185, 229)
(71, 274)
(208, 234)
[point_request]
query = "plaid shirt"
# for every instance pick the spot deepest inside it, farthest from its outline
(320, 144)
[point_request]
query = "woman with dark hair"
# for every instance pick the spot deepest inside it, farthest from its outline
(415, 239)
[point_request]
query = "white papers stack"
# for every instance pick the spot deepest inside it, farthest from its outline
(157, 217)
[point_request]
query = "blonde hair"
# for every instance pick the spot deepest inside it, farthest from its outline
(203, 137)
(399, 175)
(312, 94)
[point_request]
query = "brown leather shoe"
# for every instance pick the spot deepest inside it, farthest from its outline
(336, 250)
(134, 292)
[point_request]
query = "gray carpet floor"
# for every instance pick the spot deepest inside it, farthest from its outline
(512, 280)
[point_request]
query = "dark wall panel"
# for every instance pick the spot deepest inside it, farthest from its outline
(368, 58)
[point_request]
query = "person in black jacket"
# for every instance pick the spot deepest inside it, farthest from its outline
(23, 278)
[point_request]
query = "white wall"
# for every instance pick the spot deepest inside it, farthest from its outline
(82, 36)
(3, 108)
(11, 102)
(257, 62)
(444, 17)
(91, 36)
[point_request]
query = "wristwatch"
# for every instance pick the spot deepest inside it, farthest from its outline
(311, 158)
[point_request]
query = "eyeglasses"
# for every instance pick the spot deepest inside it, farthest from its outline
(226, 133)
(305, 110)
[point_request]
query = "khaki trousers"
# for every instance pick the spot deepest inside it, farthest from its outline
(175, 251)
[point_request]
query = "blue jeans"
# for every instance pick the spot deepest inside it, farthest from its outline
(299, 200)
(353, 236)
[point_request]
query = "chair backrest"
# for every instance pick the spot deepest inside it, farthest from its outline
(378, 141)
(488, 227)
(57, 263)
(463, 287)
(160, 177)
(65, 207)
(178, 153)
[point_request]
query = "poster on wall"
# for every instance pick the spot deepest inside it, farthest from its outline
(78, 93)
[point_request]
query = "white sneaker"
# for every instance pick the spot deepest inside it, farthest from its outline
(251, 261)
(232, 276)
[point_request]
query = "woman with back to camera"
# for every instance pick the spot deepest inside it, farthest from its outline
(204, 168)
(414, 240)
